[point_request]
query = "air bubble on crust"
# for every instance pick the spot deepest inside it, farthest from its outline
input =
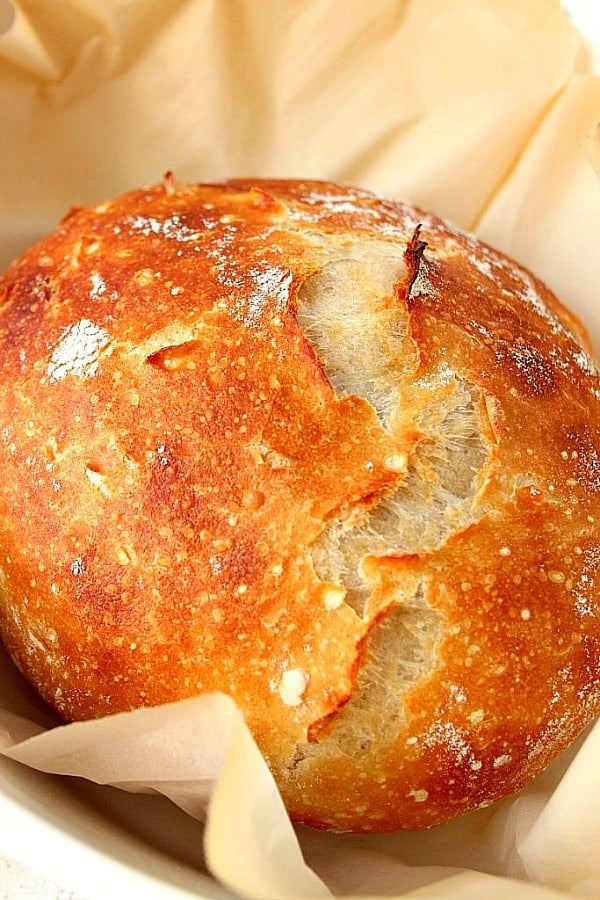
(97, 477)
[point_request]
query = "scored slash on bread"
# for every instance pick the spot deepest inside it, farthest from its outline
(322, 452)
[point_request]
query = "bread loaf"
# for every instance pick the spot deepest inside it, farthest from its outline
(319, 451)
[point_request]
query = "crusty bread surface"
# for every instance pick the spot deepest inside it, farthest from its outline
(322, 452)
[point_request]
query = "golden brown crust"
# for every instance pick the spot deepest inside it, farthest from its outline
(172, 450)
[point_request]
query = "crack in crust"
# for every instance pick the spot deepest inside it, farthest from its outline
(436, 420)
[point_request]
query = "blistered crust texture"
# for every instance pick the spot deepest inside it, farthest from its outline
(319, 451)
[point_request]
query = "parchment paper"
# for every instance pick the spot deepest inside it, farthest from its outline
(481, 110)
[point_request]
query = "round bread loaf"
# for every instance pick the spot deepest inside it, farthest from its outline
(319, 451)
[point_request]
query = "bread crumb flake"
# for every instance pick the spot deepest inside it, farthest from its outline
(292, 686)
(333, 596)
(396, 462)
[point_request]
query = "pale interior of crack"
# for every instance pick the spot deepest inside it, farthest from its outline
(436, 498)
(399, 650)
(348, 313)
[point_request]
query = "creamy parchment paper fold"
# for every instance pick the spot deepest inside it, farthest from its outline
(481, 110)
